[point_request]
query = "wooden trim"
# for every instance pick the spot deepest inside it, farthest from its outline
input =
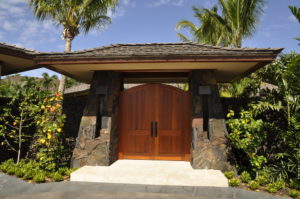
(120, 61)
(17, 53)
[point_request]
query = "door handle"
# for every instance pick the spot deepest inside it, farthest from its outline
(152, 129)
(155, 129)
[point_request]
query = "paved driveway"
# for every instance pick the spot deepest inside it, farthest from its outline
(12, 188)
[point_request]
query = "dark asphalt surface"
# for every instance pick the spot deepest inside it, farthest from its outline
(13, 188)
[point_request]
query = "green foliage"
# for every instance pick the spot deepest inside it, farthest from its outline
(294, 193)
(74, 16)
(71, 82)
(39, 177)
(229, 174)
(294, 183)
(17, 118)
(243, 88)
(265, 133)
(234, 182)
(275, 186)
(30, 169)
(245, 177)
(296, 12)
(238, 20)
(11, 170)
(20, 172)
(253, 185)
(247, 135)
(5, 166)
(57, 177)
(28, 175)
(68, 173)
(262, 180)
(49, 128)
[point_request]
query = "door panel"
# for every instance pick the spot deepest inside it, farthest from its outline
(138, 112)
(162, 105)
(170, 122)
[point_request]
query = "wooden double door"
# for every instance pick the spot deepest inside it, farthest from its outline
(155, 123)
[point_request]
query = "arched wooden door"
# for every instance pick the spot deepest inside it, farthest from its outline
(155, 123)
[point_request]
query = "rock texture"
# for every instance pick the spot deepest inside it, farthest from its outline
(97, 139)
(209, 149)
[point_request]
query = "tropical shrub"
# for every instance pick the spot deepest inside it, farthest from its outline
(57, 177)
(39, 177)
(49, 129)
(229, 174)
(294, 193)
(253, 185)
(265, 132)
(234, 182)
(245, 177)
(247, 135)
(262, 180)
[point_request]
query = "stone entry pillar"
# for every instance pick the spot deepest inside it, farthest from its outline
(96, 144)
(208, 123)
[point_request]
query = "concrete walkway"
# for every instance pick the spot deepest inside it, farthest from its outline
(151, 172)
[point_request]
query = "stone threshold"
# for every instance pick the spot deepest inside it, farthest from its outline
(151, 172)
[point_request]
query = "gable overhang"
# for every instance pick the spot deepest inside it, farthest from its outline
(14, 59)
(227, 68)
(229, 64)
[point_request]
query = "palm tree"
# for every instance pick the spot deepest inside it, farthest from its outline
(296, 13)
(206, 33)
(75, 16)
(49, 82)
(238, 21)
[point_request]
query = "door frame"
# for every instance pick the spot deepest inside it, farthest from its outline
(187, 128)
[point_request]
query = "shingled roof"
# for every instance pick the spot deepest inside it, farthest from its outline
(161, 50)
(8, 48)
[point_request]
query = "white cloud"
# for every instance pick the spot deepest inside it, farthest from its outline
(292, 18)
(130, 3)
(168, 2)
(8, 26)
(119, 12)
(12, 8)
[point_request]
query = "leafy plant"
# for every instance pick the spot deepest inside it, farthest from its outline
(69, 171)
(234, 182)
(275, 186)
(271, 188)
(294, 193)
(49, 127)
(18, 115)
(247, 135)
(11, 170)
(20, 172)
(39, 177)
(262, 180)
(294, 183)
(245, 177)
(229, 174)
(29, 174)
(57, 177)
(253, 185)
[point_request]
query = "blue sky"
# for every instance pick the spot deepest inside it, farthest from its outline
(140, 21)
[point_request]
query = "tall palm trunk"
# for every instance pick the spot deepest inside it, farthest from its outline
(62, 81)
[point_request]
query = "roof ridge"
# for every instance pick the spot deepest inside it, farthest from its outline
(18, 47)
(173, 43)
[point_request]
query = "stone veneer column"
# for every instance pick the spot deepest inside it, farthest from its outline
(97, 139)
(208, 147)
